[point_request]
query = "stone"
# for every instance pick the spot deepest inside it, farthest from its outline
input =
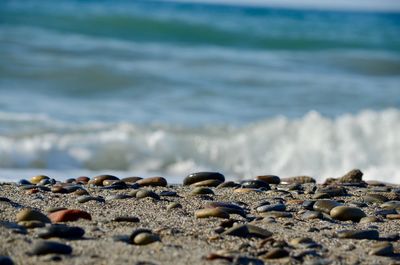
(276, 253)
(58, 189)
(87, 198)
(118, 197)
(240, 230)
(270, 179)
(332, 191)
(31, 224)
(167, 193)
(256, 231)
(246, 190)
(227, 207)
(308, 205)
(50, 247)
(37, 179)
(354, 177)
(130, 180)
(142, 193)
(358, 234)
(375, 198)
(391, 205)
(145, 239)
(207, 183)
(130, 219)
(80, 192)
(393, 216)
(28, 214)
(98, 180)
(228, 184)
(273, 207)
(298, 179)
(277, 214)
(382, 249)
(5, 260)
(113, 182)
(69, 215)
(346, 213)
(369, 219)
(325, 206)
(82, 179)
(61, 231)
(254, 184)
(55, 209)
(308, 215)
(153, 182)
(211, 212)
(201, 191)
(201, 176)
(174, 205)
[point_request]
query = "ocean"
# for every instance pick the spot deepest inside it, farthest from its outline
(169, 88)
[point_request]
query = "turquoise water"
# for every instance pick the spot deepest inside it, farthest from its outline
(146, 87)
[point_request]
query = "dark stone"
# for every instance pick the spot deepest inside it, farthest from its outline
(254, 184)
(270, 179)
(50, 247)
(358, 234)
(61, 231)
(200, 176)
(4, 260)
(274, 207)
(228, 184)
(237, 230)
(308, 205)
(131, 219)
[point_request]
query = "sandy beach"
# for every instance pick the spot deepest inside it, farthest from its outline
(257, 223)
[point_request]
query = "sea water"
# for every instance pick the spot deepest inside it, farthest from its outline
(167, 88)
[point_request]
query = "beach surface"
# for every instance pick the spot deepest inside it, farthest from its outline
(343, 221)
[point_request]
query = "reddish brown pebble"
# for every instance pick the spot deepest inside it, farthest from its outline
(82, 179)
(154, 181)
(69, 215)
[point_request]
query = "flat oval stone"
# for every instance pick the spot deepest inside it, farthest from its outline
(201, 191)
(390, 205)
(118, 197)
(277, 214)
(298, 179)
(308, 205)
(37, 179)
(4, 260)
(145, 238)
(109, 182)
(82, 179)
(308, 215)
(87, 198)
(228, 184)
(358, 234)
(69, 215)
(61, 231)
(393, 216)
(130, 180)
(254, 184)
(167, 193)
(270, 179)
(24, 182)
(81, 192)
(256, 231)
(140, 194)
(130, 219)
(211, 212)
(31, 215)
(382, 249)
(98, 180)
(369, 219)
(240, 230)
(375, 198)
(201, 176)
(345, 213)
(174, 205)
(58, 189)
(153, 182)
(325, 205)
(207, 183)
(273, 207)
(50, 247)
(246, 190)
(137, 232)
(31, 224)
(276, 253)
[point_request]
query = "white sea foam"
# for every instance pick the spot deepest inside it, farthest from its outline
(312, 145)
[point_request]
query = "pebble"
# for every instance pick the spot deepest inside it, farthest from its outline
(325, 205)
(393, 216)
(207, 183)
(142, 193)
(308, 205)
(212, 212)
(375, 198)
(37, 179)
(346, 213)
(227, 207)
(331, 191)
(167, 193)
(353, 177)
(143, 236)
(98, 180)
(390, 205)
(87, 198)
(28, 214)
(61, 231)
(118, 197)
(174, 205)
(50, 247)
(369, 219)
(276, 253)
(201, 176)
(308, 215)
(273, 207)
(80, 192)
(201, 191)
(358, 234)
(298, 179)
(31, 224)
(130, 219)
(130, 180)
(58, 189)
(382, 249)
(82, 179)
(240, 230)
(24, 182)
(228, 184)
(153, 182)
(277, 214)
(254, 184)
(246, 190)
(69, 215)
(270, 179)
(256, 231)
(5, 260)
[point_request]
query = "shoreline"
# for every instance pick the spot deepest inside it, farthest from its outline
(257, 222)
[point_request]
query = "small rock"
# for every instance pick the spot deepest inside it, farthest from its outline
(174, 205)
(207, 183)
(31, 215)
(50, 247)
(4, 260)
(37, 179)
(130, 219)
(87, 198)
(254, 184)
(61, 231)
(391, 205)
(98, 180)
(69, 215)
(145, 239)
(212, 212)
(308, 215)
(130, 180)
(273, 207)
(382, 249)
(375, 198)
(369, 219)
(358, 234)
(276, 253)
(325, 205)
(240, 230)
(298, 179)
(153, 182)
(345, 213)
(270, 179)
(201, 191)
(201, 176)
(142, 193)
